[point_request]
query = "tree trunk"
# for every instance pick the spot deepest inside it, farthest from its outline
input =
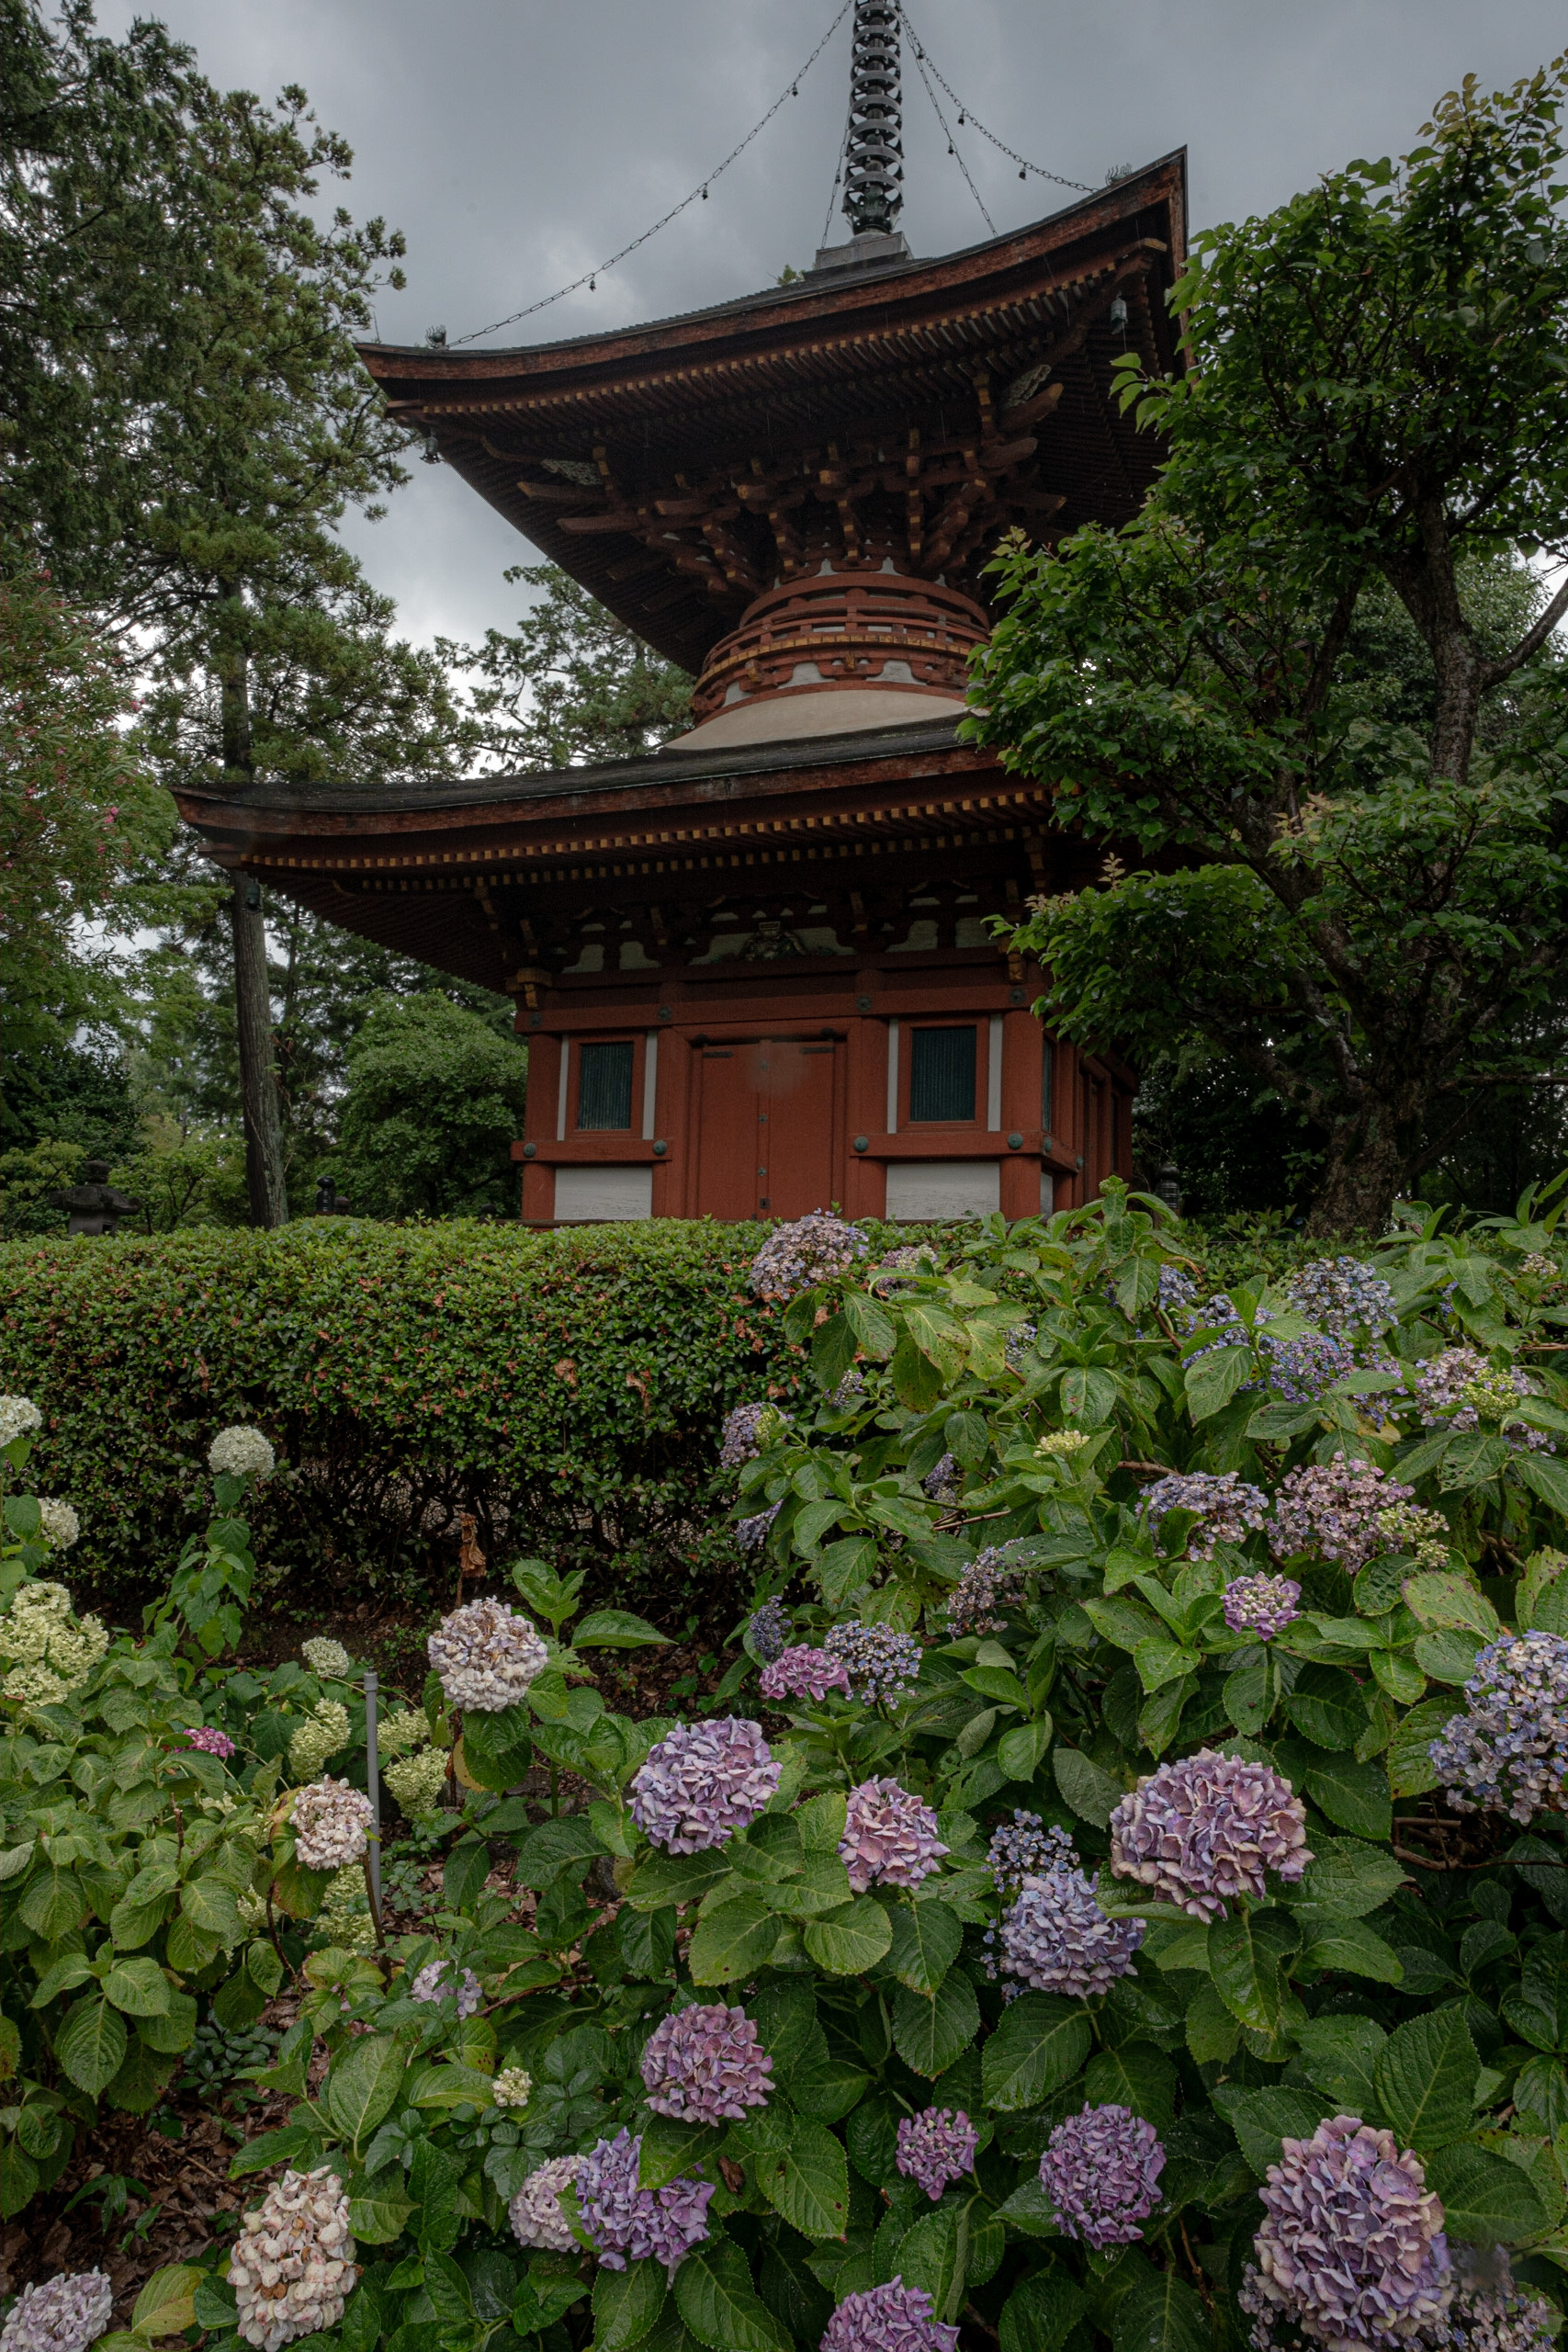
(1363, 1177)
(265, 1184)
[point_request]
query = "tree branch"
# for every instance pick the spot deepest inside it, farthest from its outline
(1494, 673)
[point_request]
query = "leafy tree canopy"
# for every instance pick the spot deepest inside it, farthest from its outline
(572, 685)
(435, 1100)
(1360, 894)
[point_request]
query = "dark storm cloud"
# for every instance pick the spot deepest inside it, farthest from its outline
(518, 143)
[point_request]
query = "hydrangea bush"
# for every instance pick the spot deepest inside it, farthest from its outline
(1163, 1947)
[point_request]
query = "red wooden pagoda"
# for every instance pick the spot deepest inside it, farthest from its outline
(755, 969)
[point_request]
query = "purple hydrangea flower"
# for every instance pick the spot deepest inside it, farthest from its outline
(1343, 1296)
(437, 1981)
(1227, 1508)
(941, 1484)
(1458, 1389)
(1509, 1751)
(747, 1431)
(936, 2147)
(890, 1836)
(704, 2064)
(989, 1586)
(1203, 1831)
(1261, 1606)
(212, 1743)
(625, 2222)
(1018, 1342)
(879, 1662)
(814, 1249)
(1019, 1849)
(1177, 1291)
(768, 1631)
(1100, 2171)
(1055, 1934)
(913, 1258)
(752, 1533)
(1332, 1507)
(841, 1398)
(802, 1673)
(1303, 1370)
(702, 1782)
(1353, 2247)
(894, 2318)
(65, 2315)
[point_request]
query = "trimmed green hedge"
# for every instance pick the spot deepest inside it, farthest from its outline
(567, 1387)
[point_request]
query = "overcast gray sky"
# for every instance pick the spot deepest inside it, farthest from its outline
(518, 143)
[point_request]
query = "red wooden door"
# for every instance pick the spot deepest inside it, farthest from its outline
(765, 1128)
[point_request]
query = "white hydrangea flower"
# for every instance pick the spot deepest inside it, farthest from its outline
(35, 1686)
(417, 1780)
(486, 1654)
(293, 2266)
(65, 2315)
(59, 1523)
(324, 1657)
(38, 1610)
(534, 2211)
(19, 1418)
(241, 1452)
(408, 1729)
(329, 1824)
(322, 1732)
(251, 1909)
(38, 1631)
(513, 2087)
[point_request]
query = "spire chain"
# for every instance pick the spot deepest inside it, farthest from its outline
(874, 163)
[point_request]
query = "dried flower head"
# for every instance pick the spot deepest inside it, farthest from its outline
(292, 2268)
(1100, 2171)
(890, 1837)
(704, 2064)
(486, 1654)
(513, 2087)
(936, 2147)
(747, 1431)
(879, 1662)
(438, 1981)
(535, 2213)
(802, 1673)
(212, 1743)
(1261, 1606)
(1055, 1935)
(985, 1595)
(65, 2315)
(1202, 1831)
(702, 1782)
(322, 1732)
(894, 2318)
(814, 1249)
(625, 2222)
(241, 1452)
(1227, 1508)
(417, 1780)
(326, 1658)
(1352, 2248)
(58, 1523)
(330, 1825)
(1508, 1752)
(768, 1631)
(19, 1417)
(1332, 1507)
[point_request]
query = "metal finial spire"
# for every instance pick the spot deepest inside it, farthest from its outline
(873, 162)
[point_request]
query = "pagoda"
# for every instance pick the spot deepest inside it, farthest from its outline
(755, 969)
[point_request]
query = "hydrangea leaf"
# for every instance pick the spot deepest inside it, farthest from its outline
(1408, 1759)
(626, 2304)
(1138, 2076)
(1245, 1953)
(1041, 2312)
(1327, 1707)
(1092, 1794)
(140, 1987)
(1426, 2077)
(1160, 2313)
(1349, 1947)
(1039, 2045)
(931, 2031)
(1340, 2056)
(733, 1940)
(1485, 2199)
(714, 2296)
(1345, 1878)
(1262, 2119)
(363, 2084)
(848, 1942)
(925, 1941)
(91, 2044)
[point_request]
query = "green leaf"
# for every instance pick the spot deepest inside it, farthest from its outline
(661, 1879)
(1410, 1768)
(925, 1941)
(1446, 1657)
(363, 2084)
(498, 1748)
(1138, 2076)
(1349, 1947)
(1039, 2045)
(820, 1822)
(1091, 1793)
(845, 1568)
(1354, 1796)
(1340, 2056)
(1160, 2313)
(1484, 2198)
(1022, 1751)
(1346, 1879)
(166, 2305)
(18, 2179)
(616, 1629)
(91, 2044)
(932, 2258)
(930, 2032)
(1326, 1706)
(140, 1987)
(1261, 2118)
(1443, 1599)
(671, 2147)
(1426, 2078)
(714, 2296)
(626, 2304)
(378, 2209)
(808, 2180)
(438, 2086)
(62, 1975)
(848, 1942)
(209, 1903)
(1213, 1378)
(269, 2148)
(733, 1940)
(1245, 1955)
(176, 2030)
(1041, 2312)
(54, 1901)
(785, 2013)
